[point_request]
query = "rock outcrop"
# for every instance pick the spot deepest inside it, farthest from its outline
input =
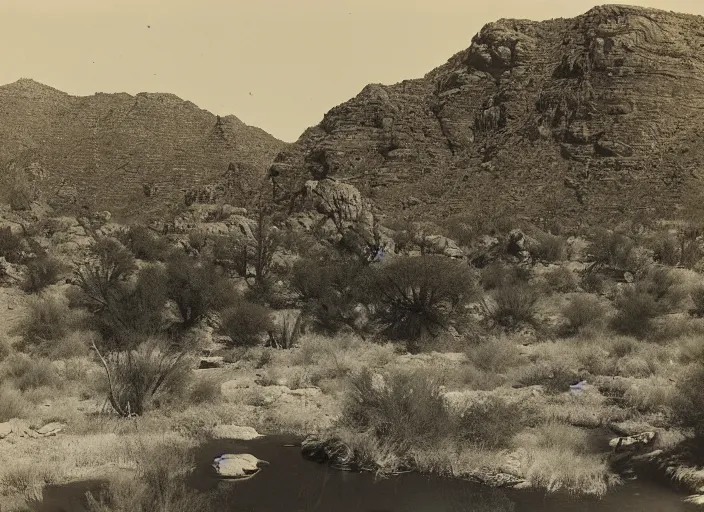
(584, 119)
(238, 465)
(133, 155)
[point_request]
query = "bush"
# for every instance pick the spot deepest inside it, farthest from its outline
(12, 404)
(10, 245)
(613, 249)
(491, 423)
(406, 409)
(495, 355)
(497, 274)
(42, 272)
(697, 296)
(666, 249)
(689, 405)
(196, 289)
(205, 391)
(550, 248)
(592, 282)
(665, 288)
(418, 296)
(636, 311)
(197, 240)
(583, 311)
(330, 291)
(48, 319)
(246, 323)
(514, 304)
(147, 376)
(5, 348)
(145, 244)
(30, 373)
(561, 280)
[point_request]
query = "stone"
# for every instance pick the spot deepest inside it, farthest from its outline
(238, 465)
(633, 442)
(211, 362)
(51, 429)
(436, 244)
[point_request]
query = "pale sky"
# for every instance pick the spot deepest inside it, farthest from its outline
(297, 58)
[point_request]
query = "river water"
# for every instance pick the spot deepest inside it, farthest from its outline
(292, 484)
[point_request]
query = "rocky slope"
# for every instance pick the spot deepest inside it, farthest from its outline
(587, 119)
(127, 154)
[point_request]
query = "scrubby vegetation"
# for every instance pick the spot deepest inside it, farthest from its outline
(498, 362)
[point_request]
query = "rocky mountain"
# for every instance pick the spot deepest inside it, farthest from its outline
(587, 119)
(133, 155)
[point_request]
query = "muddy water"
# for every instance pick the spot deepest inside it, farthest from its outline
(292, 484)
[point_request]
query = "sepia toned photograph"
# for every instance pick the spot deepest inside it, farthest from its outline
(351, 256)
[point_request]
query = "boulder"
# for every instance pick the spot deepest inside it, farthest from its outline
(51, 429)
(238, 465)
(437, 244)
(207, 363)
(632, 443)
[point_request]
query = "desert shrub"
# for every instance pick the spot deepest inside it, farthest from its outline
(29, 373)
(246, 323)
(697, 296)
(47, 320)
(110, 265)
(330, 291)
(5, 347)
(691, 250)
(550, 248)
(205, 390)
(612, 249)
(460, 229)
(74, 344)
(146, 377)
(592, 282)
(145, 244)
(490, 423)
(498, 274)
(494, 355)
(688, 407)
(198, 239)
(196, 289)
(666, 249)
(404, 408)
(42, 272)
(419, 296)
(583, 311)
(553, 375)
(160, 485)
(12, 404)
(665, 288)
(635, 312)
(561, 279)
(10, 245)
(513, 305)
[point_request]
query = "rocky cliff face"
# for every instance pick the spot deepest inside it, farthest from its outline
(133, 155)
(586, 118)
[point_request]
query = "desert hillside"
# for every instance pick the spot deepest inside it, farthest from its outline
(124, 153)
(583, 118)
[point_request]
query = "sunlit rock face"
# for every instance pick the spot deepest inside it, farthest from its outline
(584, 118)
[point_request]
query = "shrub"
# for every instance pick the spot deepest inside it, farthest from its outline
(330, 290)
(490, 423)
(697, 296)
(145, 244)
(205, 391)
(583, 311)
(618, 251)
(42, 272)
(497, 274)
(406, 409)
(514, 304)
(196, 289)
(5, 347)
(550, 248)
(689, 405)
(666, 249)
(592, 282)
(561, 279)
(494, 355)
(246, 323)
(10, 245)
(47, 320)
(419, 296)
(147, 376)
(635, 312)
(30, 373)
(663, 285)
(12, 404)
(197, 240)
